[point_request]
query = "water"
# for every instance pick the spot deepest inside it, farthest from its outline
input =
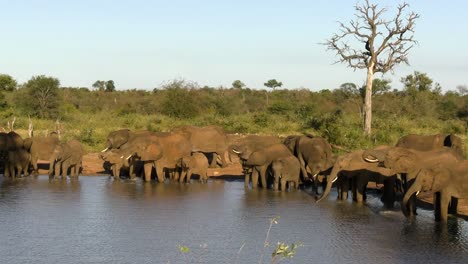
(99, 220)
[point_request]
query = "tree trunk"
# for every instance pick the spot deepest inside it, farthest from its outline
(368, 100)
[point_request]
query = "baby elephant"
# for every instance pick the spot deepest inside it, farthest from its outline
(285, 170)
(195, 164)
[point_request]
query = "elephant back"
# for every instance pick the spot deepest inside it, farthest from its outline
(204, 139)
(14, 141)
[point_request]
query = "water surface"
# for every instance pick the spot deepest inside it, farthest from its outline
(99, 220)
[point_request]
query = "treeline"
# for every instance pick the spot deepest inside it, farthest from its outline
(89, 115)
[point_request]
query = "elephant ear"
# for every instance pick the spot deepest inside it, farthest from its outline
(401, 160)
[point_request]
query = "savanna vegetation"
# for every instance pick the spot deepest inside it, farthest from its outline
(337, 114)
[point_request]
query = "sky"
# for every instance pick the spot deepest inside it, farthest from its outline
(143, 44)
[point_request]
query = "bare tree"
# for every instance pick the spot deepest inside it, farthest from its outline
(383, 44)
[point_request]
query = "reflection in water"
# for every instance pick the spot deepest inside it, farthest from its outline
(99, 220)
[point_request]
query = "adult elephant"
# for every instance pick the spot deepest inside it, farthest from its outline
(352, 166)
(41, 148)
(116, 139)
(66, 156)
(243, 147)
(209, 139)
(451, 181)
(314, 154)
(430, 142)
(11, 149)
(409, 161)
(260, 160)
(158, 150)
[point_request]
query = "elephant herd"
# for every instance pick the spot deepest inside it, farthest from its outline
(429, 163)
(416, 163)
(18, 155)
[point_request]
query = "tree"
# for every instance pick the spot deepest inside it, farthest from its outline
(462, 89)
(7, 83)
(273, 84)
(237, 84)
(99, 85)
(43, 96)
(110, 86)
(417, 82)
(384, 44)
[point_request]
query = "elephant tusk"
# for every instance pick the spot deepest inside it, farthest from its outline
(417, 193)
(371, 160)
(104, 150)
(129, 156)
(236, 151)
(335, 180)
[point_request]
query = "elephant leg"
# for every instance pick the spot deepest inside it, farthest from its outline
(388, 197)
(444, 204)
(148, 167)
(283, 184)
(453, 205)
(213, 160)
(189, 175)
(160, 172)
(182, 175)
(34, 165)
(263, 172)
(115, 171)
(247, 176)
(223, 158)
(57, 167)
(359, 189)
(254, 176)
(6, 172)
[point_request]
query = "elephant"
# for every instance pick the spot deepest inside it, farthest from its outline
(314, 154)
(42, 149)
(159, 150)
(245, 146)
(209, 139)
(116, 139)
(352, 166)
(286, 170)
(447, 181)
(66, 156)
(116, 160)
(122, 140)
(260, 160)
(409, 161)
(10, 143)
(18, 162)
(197, 163)
(430, 142)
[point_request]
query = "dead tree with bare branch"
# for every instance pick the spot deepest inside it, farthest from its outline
(383, 44)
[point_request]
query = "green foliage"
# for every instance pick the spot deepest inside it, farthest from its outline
(417, 82)
(179, 103)
(273, 84)
(40, 97)
(237, 84)
(184, 249)
(110, 86)
(7, 83)
(99, 85)
(285, 251)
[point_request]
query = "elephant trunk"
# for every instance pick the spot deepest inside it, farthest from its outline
(415, 188)
(331, 179)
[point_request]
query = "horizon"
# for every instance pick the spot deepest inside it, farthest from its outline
(141, 45)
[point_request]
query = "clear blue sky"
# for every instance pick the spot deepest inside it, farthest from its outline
(140, 44)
